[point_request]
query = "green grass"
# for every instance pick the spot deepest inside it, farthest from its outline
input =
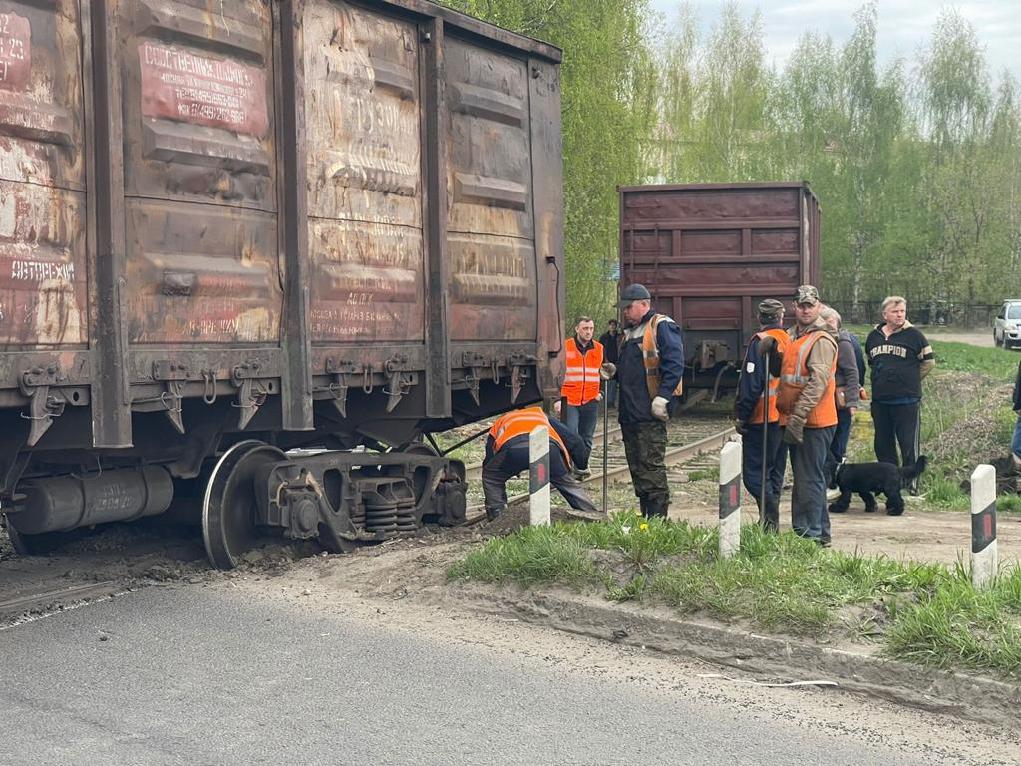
(924, 613)
(994, 363)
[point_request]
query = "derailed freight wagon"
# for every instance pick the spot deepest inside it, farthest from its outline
(709, 253)
(236, 227)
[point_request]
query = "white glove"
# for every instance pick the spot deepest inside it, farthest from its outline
(556, 406)
(607, 370)
(659, 408)
(599, 396)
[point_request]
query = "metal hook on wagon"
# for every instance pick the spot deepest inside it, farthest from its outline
(496, 371)
(367, 384)
(208, 386)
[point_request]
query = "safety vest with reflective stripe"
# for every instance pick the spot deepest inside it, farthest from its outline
(782, 341)
(521, 422)
(794, 376)
(581, 381)
(650, 356)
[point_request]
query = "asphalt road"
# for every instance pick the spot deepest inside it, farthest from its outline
(196, 675)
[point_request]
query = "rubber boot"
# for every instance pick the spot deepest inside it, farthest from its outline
(659, 507)
(771, 516)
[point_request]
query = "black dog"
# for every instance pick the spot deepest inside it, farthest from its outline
(869, 478)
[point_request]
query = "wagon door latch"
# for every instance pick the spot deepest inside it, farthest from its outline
(173, 375)
(519, 366)
(252, 390)
(399, 381)
(339, 382)
(43, 405)
(475, 364)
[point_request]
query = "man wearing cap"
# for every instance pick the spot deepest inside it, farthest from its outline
(758, 420)
(650, 364)
(808, 411)
(580, 394)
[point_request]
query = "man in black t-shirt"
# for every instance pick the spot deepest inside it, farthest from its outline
(899, 357)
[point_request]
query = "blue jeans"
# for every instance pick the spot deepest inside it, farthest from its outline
(810, 516)
(582, 419)
(1015, 445)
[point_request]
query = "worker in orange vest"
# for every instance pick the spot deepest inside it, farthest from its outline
(580, 394)
(507, 456)
(758, 420)
(808, 412)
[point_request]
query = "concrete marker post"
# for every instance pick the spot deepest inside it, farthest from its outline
(730, 500)
(538, 476)
(984, 558)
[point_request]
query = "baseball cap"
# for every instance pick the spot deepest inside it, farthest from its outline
(806, 294)
(631, 293)
(770, 308)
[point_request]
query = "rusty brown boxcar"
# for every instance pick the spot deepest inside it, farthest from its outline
(710, 252)
(233, 227)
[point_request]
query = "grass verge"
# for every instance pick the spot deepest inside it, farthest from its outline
(924, 613)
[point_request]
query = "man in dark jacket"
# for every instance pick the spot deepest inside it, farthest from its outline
(900, 357)
(758, 421)
(507, 456)
(611, 342)
(850, 372)
(650, 365)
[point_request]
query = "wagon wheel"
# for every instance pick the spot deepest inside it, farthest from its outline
(229, 527)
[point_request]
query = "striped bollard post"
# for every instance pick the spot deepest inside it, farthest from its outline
(984, 562)
(730, 500)
(538, 476)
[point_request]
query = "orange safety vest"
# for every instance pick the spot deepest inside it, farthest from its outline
(782, 341)
(794, 377)
(650, 357)
(581, 381)
(520, 422)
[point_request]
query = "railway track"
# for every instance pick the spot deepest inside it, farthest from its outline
(693, 442)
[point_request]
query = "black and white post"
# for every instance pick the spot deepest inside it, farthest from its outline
(730, 500)
(984, 562)
(538, 476)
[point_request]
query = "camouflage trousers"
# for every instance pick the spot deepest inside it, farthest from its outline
(645, 446)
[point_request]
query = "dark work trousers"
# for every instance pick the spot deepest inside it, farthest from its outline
(582, 420)
(809, 515)
(840, 438)
(511, 460)
(645, 448)
(751, 461)
(900, 422)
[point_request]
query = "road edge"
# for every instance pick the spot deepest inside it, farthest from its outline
(961, 695)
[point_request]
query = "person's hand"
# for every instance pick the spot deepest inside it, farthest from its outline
(740, 426)
(599, 396)
(852, 410)
(607, 370)
(556, 407)
(767, 345)
(794, 433)
(659, 408)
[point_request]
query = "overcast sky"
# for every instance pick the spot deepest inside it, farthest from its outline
(904, 25)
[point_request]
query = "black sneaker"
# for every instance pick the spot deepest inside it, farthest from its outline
(824, 542)
(492, 514)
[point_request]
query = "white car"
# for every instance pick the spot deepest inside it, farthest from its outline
(1007, 325)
